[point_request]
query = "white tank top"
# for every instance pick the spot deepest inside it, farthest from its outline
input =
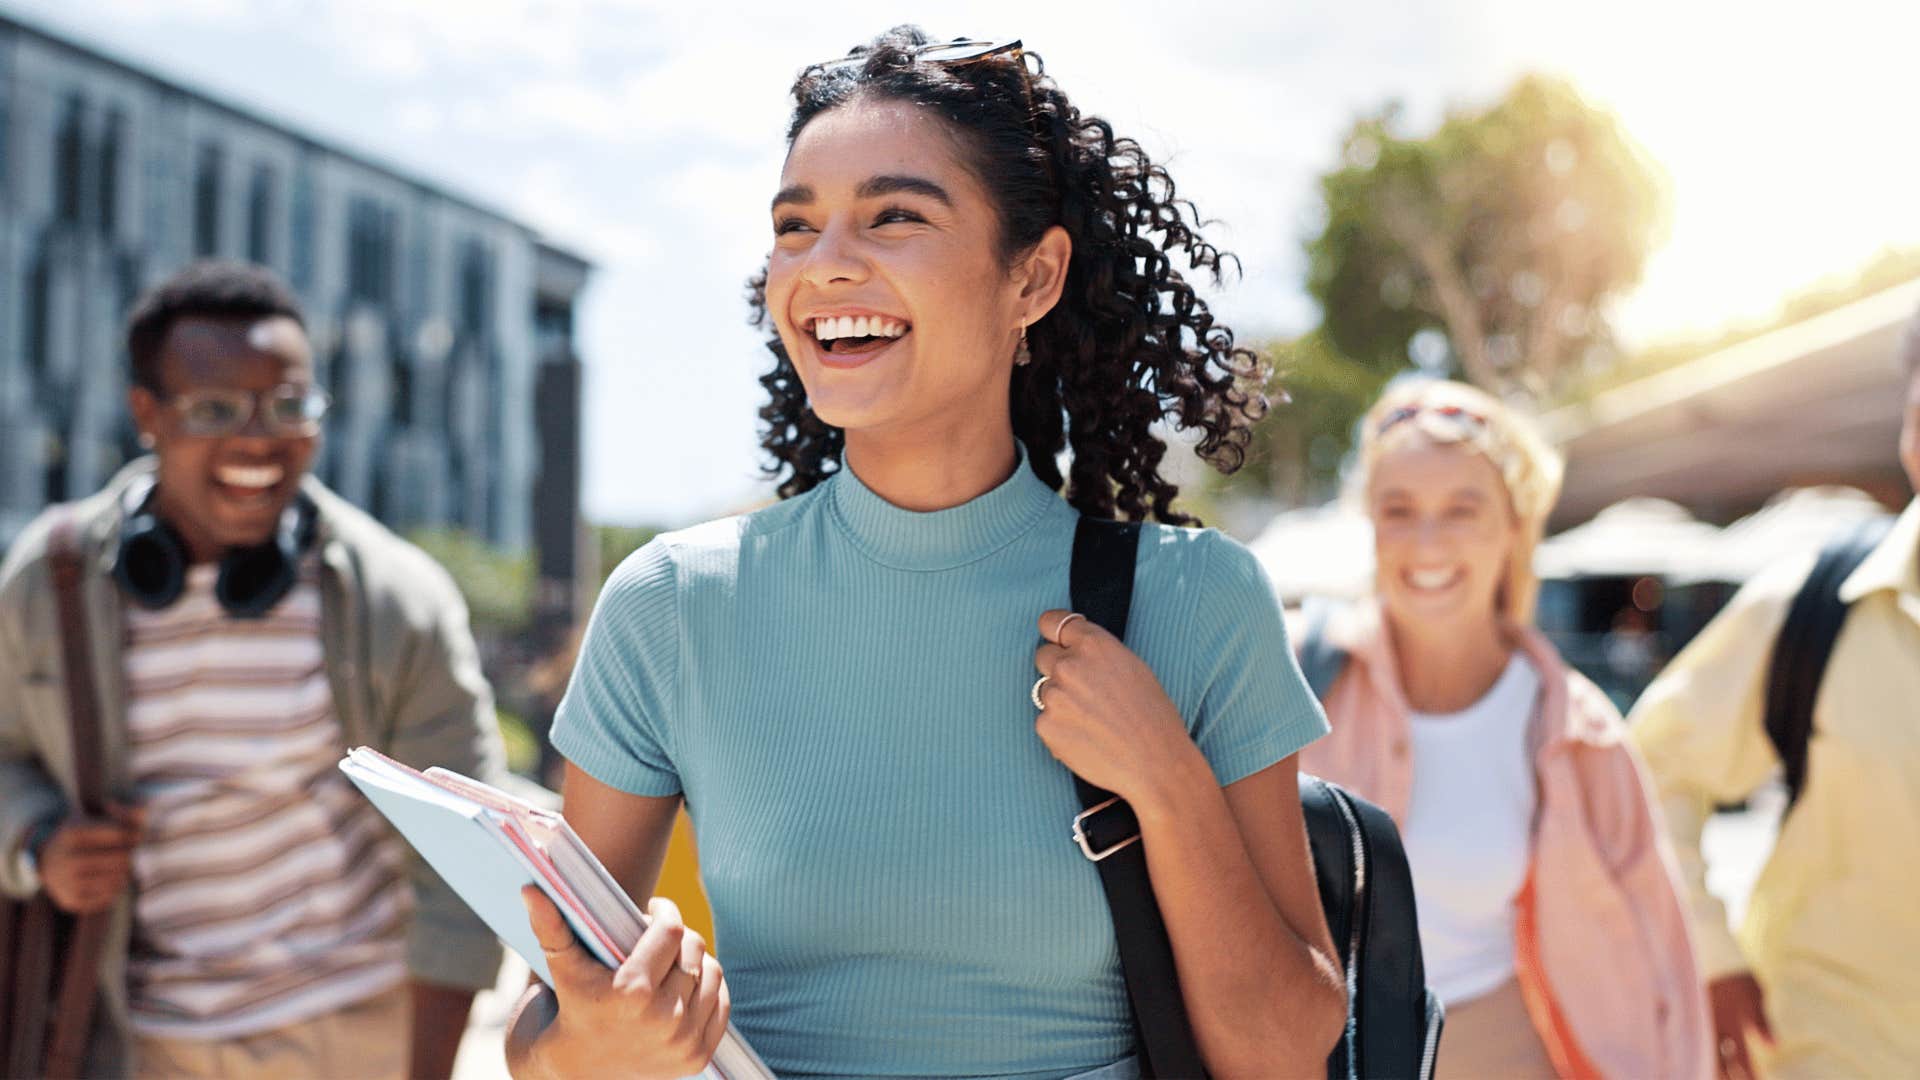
(1468, 834)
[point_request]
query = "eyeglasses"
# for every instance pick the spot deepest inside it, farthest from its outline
(1448, 412)
(287, 411)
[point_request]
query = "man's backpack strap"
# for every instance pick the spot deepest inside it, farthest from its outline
(1104, 553)
(49, 961)
(79, 977)
(1321, 661)
(1805, 644)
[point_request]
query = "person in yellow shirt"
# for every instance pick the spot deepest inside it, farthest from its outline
(1823, 978)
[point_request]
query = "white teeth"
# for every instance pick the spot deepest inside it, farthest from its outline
(1431, 579)
(259, 476)
(840, 326)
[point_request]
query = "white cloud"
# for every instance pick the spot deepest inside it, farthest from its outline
(553, 199)
(419, 117)
(390, 52)
(560, 107)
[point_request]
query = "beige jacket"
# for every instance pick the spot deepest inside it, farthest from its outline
(1831, 929)
(406, 679)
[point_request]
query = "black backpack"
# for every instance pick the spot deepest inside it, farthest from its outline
(1805, 644)
(1393, 1020)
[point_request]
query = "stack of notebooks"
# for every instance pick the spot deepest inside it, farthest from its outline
(486, 844)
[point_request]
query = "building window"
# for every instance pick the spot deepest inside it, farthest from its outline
(476, 287)
(6, 133)
(206, 200)
(111, 136)
(370, 252)
(301, 227)
(553, 329)
(400, 385)
(68, 147)
(39, 317)
(260, 215)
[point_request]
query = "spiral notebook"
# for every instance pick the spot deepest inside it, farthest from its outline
(486, 844)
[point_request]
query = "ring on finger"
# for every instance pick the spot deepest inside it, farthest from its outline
(1061, 626)
(1039, 685)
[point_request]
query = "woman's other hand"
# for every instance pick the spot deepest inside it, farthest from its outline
(1739, 1013)
(662, 1014)
(1105, 716)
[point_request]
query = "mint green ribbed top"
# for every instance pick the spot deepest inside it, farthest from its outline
(839, 687)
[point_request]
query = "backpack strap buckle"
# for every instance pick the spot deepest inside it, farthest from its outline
(1093, 834)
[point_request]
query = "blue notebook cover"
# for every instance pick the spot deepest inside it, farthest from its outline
(471, 853)
(468, 846)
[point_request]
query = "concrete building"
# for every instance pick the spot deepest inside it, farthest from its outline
(436, 322)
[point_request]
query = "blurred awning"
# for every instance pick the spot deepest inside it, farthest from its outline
(1317, 551)
(1631, 538)
(1817, 402)
(1796, 522)
(1328, 550)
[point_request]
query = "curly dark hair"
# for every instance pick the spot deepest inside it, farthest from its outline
(1129, 343)
(216, 288)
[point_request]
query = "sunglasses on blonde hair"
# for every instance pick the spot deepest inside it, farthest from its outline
(1456, 413)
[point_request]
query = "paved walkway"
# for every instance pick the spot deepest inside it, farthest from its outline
(481, 1052)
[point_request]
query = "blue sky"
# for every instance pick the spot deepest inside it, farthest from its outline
(647, 135)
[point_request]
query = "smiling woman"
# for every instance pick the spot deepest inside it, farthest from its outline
(1525, 815)
(1019, 172)
(969, 277)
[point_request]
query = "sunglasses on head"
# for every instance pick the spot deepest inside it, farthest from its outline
(962, 51)
(287, 411)
(1456, 413)
(955, 53)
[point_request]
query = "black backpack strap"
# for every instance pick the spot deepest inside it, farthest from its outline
(1805, 644)
(1104, 553)
(1339, 851)
(1366, 890)
(1321, 661)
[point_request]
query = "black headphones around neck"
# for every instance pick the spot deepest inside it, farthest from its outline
(151, 563)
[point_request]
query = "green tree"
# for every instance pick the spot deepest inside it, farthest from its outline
(1298, 447)
(1505, 232)
(498, 585)
(616, 542)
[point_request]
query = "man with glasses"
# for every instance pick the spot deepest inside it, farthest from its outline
(1823, 979)
(247, 626)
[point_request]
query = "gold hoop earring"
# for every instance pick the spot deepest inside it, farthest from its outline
(1022, 356)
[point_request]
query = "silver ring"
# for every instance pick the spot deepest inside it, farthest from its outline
(1062, 626)
(1038, 702)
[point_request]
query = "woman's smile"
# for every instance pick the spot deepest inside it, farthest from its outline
(852, 340)
(1434, 581)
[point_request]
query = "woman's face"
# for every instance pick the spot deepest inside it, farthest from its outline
(1442, 533)
(885, 283)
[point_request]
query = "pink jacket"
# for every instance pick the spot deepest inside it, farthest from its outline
(1603, 953)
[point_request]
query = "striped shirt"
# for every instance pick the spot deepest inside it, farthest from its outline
(268, 891)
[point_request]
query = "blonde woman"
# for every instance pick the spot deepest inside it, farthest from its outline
(1549, 917)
